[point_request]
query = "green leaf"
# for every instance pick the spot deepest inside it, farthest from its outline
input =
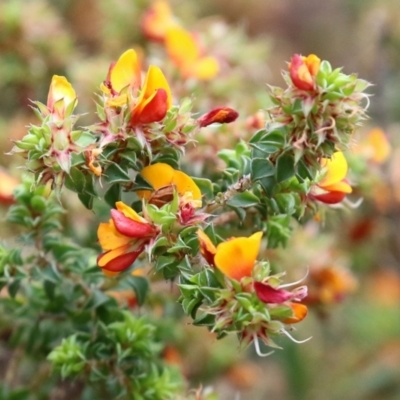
(115, 174)
(76, 180)
(284, 167)
(268, 184)
(13, 287)
(113, 195)
(205, 186)
(140, 285)
(86, 199)
(261, 168)
(244, 199)
(141, 184)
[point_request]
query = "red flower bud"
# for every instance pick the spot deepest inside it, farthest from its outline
(220, 115)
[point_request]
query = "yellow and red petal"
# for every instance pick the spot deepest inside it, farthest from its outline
(220, 115)
(153, 109)
(300, 311)
(117, 263)
(158, 175)
(129, 212)
(300, 74)
(104, 258)
(126, 71)
(109, 238)
(335, 169)
(236, 257)
(128, 227)
(207, 247)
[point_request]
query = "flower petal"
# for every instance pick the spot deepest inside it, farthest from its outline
(157, 19)
(299, 73)
(335, 167)
(181, 46)
(341, 186)
(205, 68)
(207, 247)
(270, 295)
(236, 257)
(126, 71)
(300, 311)
(220, 115)
(152, 109)
(330, 197)
(104, 258)
(129, 212)
(119, 263)
(379, 145)
(313, 63)
(60, 89)
(109, 238)
(184, 183)
(128, 227)
(158, 175)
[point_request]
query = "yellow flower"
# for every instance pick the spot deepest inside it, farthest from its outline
(333, 186)
(186, 54)
(236, 257)
(123, 239)
(124, 80)
(61, 96)
(162, 175)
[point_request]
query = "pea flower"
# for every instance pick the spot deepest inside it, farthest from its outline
(61, 99)
(220, 115)
(333, 188)
(123, 238)
(157, 19)
(186, 53)
(303, 71)
(124, 82)
(236, 258)
(161, 175)
(375, 147)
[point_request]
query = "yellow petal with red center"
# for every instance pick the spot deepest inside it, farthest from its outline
(341, 186)
(126, 71)
(300, 311)
(155, 80)
(109, 256)
(380, 145)
(129, 212)
(158, 175)
(204, 69)
(335, 169)
(181, 46)
(60, 88)
(313, 62)
(236, 257)
(109, 238)
(184, 183)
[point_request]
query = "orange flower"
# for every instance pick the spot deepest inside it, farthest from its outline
(123, 82)
(123, 238)
(300, 311)
(375, 147)
(157, 19)
(303, 71)
(186, 54)
(162, 175)
(333, 187)
(236, 257)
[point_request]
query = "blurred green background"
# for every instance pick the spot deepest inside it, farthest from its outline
(355, 350)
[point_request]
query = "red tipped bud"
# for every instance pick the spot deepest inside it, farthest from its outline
(220, 115)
